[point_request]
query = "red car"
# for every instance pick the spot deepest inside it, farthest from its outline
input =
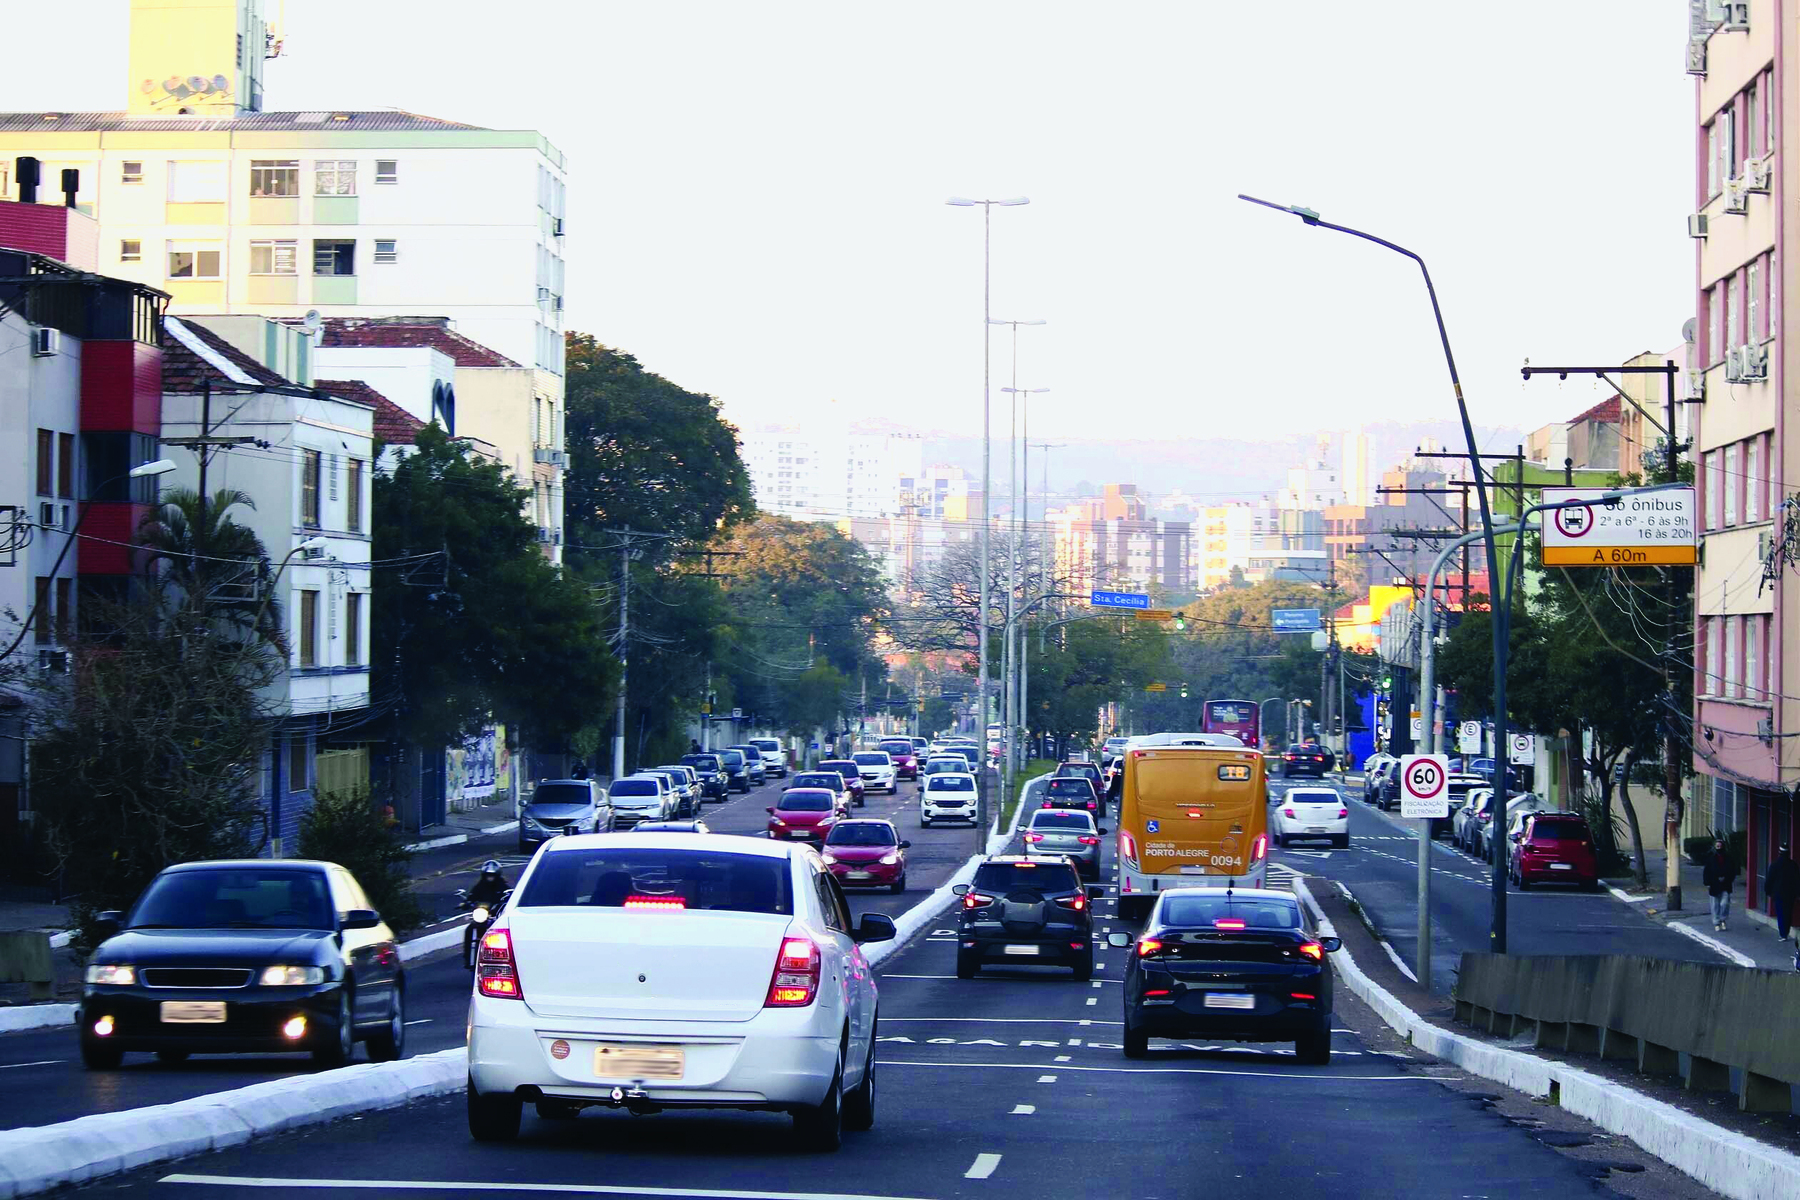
(1554, 848)
(906, 765)
(807, 813)
(852, 773)
(866, 853)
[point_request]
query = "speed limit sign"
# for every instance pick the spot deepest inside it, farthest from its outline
(1424, 786)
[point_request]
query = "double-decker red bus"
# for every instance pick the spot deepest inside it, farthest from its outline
(1241, 719)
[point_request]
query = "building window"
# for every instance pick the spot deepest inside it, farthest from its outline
(65, 608)
(1753, 657)
(387, 250)
(309, 488)
(1768, 457)
(1712, 160)
(1753, 127)
(1733, 481)
(1715, 305)
(1710, 490)
(309, 629)
(40, 612)
(299, 761)
(334, 177)
(353, 606)
(1734, 311)
(65, 465)
(275, 177)
(196, 182)
(194, 260)
(387, 170)
(1734, 142)
(131, 172)
(353, 492)
(334, 257)
(1768, 111)
(274, 258)
(1755, 487)
(1734, 661)
(1753, 300)
(46, 463)
(131, 250)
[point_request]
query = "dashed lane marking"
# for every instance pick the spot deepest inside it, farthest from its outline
(1095, 1000)
(1048, 1078)
(1023, 1110)
(1059, 1058)
(983, 1166)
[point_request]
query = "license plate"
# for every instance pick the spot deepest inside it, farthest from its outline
(1562, 867)
(1315, 829)
(856, 874)
(799, 833)
(1191, 869)
(638, 1062)
(1218, 1000)
(1026, 950)
(193, 1012)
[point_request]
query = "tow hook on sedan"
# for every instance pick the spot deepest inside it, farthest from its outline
(634, 1100)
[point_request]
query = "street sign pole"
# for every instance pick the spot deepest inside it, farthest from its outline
(1425, 793)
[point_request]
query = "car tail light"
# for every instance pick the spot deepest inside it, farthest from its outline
(1259, 849)
(1343, 813)
(1301, 996)
(1289, 814)
(1147, 947)
(496, 975)
(1128, 848)
(1088, 839)
(1046, 804)
(976, 900)
(668, 902)
(1228, 923)
(796, 978)
(1313, 951)
(1034, 837)
(1078, 903)
(1156, 992)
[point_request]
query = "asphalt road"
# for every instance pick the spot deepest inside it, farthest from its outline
(1009, 1084)
(46, 1064)
(1381, 869)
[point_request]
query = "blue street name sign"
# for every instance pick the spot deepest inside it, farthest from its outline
(1119, 600)
(1294, 620)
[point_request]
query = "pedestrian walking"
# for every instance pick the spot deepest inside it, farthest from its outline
(1780, 884)
(1719, 877)
(694, 746)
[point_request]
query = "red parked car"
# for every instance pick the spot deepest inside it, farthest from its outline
(866, 853)
(1554, 848)
(906, 766)
(852, 773)
(807, 813)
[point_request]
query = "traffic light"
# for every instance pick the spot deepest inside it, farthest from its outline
(1184, 691)
(1387, 684)
(1181, 623)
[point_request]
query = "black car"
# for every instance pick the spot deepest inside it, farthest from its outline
(255, 955)
(1084, 770)
(1241, 966)
(1026, 909)
(713, 782)
(753, 764)
(1072, 791)
(1305, 760)
(737, 769)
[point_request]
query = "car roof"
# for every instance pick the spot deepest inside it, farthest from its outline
(1026, 858)
(730, 843)
(298, 864)
(882, 821)
(1246, 893)
(797, 791)
(542, 782)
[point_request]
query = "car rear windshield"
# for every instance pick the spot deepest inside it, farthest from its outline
(1070, 787)
(733, 758)
(1060, 820)
(807, 801)
(814, 779)
(857, 834)
(1304, 797)
(1001, 878)
(1206, 910)
(952, 783)
(873, 759)
(1082, 770)
(769, 744)
(1560, 831)
(617, 877)
(705, 762)
(633, 787)
(235, 898)
(897, 747)
(1303, 750)
(562, 793)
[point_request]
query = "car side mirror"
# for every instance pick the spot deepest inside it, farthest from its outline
(904, 845)
(1512, 837)
(361, 918)
(106, 924)
(770, 811)
(1100, 829)
(961, 889)
(875, 927)
(1331, 945)
(1121, 940)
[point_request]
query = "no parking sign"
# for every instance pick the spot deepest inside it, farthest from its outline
(1424, 787)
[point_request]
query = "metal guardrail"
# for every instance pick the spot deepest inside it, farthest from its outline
(1719, 1028)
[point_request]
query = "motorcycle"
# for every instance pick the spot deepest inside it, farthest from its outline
(480, 917)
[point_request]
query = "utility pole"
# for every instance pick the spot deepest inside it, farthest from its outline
(618, 754)
(203, 447)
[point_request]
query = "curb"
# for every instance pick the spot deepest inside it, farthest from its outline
(1714, 944)
(16, 1018)
(1730, 1163)
(457, 839)
(36, 1159)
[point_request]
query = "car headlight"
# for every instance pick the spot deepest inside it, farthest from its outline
(285, 976)
(829, 857)
(889, 860)
(116, 974)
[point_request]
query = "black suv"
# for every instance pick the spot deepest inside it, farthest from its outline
(1026, 909)
(737, 772)
(711, 769)
(1305, 760)
(1073, 791)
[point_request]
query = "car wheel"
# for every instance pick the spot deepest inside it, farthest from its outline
(1137, 1043)
(966, 966)
(557, 1110)
(859, 1105)
(1281, 839)
(97, 1056)
(172, 1056)
(898, 886)
(523, 848)
(1342, 841)
(493, 1118)
(1084, 969)
(1524, 883)
(924, 822)
(390, 1043)
(1314, 1049)
(820, 1127)
(338, 1050)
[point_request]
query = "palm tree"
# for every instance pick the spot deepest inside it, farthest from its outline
(218, 566)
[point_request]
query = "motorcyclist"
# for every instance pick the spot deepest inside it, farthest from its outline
(491, 887)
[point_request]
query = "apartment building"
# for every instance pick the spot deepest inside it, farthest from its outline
(1113, 541)
(1747, 657)
(832, 472)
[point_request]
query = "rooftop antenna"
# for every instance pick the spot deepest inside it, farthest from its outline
(312, 324)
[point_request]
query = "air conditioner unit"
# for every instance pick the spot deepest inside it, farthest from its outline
(1737, 197)
(1756, 361)
(556, 226)
(1734, 365)
(1696, 225)
(1696, 386)
(543, 294)
(53, 662)
(1696, 57)
(1735, 15)
(555, 458)
(45, 342)
(1756, 174)
(313, 552)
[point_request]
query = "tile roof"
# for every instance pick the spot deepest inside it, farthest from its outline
(1608, 410)
(185, 370)
(49, 120)
(434, 332)
(393, 424)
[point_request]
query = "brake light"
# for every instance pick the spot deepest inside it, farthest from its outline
(1075, 902)
(1301, 996)
(1148, 946)
(1259, 849)
(1090, 804)
(1289, 814)
(1313, 951)
(1046, 804)
(1034, 837)
(796, 978)
(668, 902)
(1128, 848)
(976, 900)
(1088, 839)
(1343, 813)
(1228, 923)
(496, 974)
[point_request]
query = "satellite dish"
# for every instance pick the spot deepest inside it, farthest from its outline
(312, 323)
(221, 84)
(1690, 331)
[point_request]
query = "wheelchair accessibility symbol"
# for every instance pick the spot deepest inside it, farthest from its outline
(1152, 826)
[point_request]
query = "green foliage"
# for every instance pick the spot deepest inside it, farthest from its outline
(495, 632)
(347, 828)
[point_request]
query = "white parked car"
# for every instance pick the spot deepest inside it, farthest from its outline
(1311, 812)
(947, 796)
(877, 770)
(773, 755)
(645, 797)
(649, 971)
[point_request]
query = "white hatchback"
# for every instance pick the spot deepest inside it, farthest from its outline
(652, 971)
(1311, 812)
(947, 796)
(878, 770)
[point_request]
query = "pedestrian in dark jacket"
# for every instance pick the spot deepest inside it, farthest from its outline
(1780, 885)
(1720, 875)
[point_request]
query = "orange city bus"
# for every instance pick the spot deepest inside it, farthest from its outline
(1193, 812)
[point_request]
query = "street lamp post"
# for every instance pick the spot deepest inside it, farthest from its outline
(987, 240)
(1010, 673)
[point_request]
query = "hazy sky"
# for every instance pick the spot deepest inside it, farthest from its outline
(756, 191)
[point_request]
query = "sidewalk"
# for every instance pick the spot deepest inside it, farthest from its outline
(494, 815)
(1749, 937)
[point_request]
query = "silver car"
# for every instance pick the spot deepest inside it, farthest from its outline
(560, 806)
(639, 798)
(687, 787)
(1066, 831)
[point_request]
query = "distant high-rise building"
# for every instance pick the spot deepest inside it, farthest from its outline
(1359, 475)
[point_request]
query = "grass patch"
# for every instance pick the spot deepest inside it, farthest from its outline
(1030, 771)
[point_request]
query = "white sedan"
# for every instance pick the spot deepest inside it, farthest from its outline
(878, 770)
(1311, 812)
(675, 970)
